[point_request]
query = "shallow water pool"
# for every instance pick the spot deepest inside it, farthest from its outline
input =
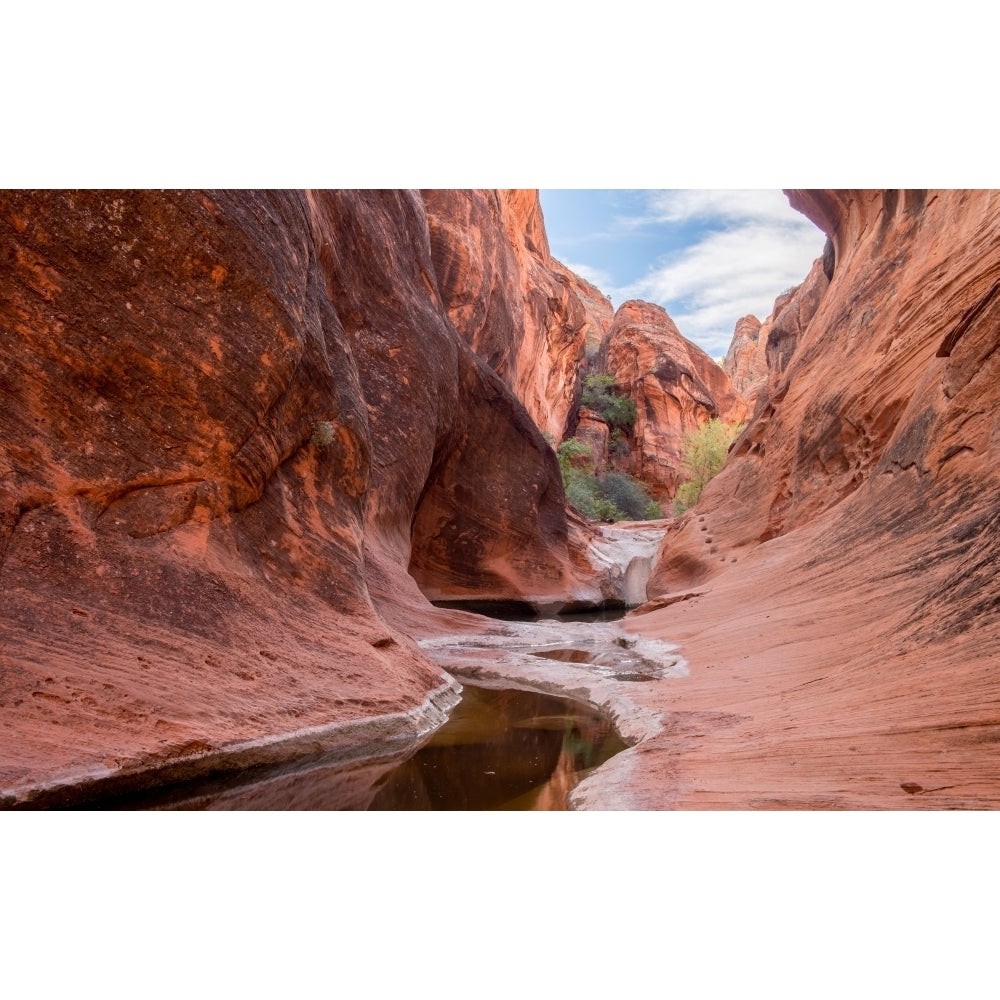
(502, 749)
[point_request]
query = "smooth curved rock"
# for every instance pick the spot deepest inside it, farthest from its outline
(231, 421)
(842, 618)
(515, 306)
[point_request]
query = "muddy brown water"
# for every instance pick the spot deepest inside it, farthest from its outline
(505, 750)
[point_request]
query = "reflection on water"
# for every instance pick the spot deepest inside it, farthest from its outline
(502, 750)
(499, 750)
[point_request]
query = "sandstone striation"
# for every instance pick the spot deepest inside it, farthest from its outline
(746, 361)
(761, 351)
(593, 431)
(597, 307)
(676, 386)
(515, 306)
(231, 421)
(790, 317)
(834, 590)
(246, 435)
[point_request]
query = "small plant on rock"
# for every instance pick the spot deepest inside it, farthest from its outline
(322, 434)
(601, 394)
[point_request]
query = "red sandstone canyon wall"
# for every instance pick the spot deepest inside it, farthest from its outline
(746, 361)
(597, 307)
(231, 421)
(835, 587)
(518, 309)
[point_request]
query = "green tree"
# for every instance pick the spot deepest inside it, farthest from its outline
(704, 452)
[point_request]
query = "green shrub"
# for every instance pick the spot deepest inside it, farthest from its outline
(626, 494)
(612, 497)
(322, 434)
(573, 455)
(581, 493)
(704, 453)
(618, 445)
(607, 511)
(601, 394)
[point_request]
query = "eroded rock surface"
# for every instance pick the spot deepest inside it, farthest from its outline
(746, 361)
(676, 387)
(231, 421)
(834, 590)
(599, 311)
(516, 307)
(593, 431)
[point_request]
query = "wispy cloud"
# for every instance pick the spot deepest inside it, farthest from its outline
(748, 247)
(729, 205)
(601, 279)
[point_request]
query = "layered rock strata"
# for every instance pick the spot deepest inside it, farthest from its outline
(231, 421)
(593, 431)
(790, 317)
(834, 590)
(675, 385)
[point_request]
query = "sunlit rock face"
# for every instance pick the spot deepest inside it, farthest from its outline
(231, 421)
(746, 361)
(761, 351)
(593, 431)
(789, 319)
(840, 570)
(676, 387)
(597, 307)
(873, 390)
(514, 305)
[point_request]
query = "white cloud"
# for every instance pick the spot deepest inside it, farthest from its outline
(730, 205)
(601, 279)
(756, 248)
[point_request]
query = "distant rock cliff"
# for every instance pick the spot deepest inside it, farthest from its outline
(676, 386)
(746, 361)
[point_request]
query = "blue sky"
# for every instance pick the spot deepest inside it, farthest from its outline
(708, 257)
